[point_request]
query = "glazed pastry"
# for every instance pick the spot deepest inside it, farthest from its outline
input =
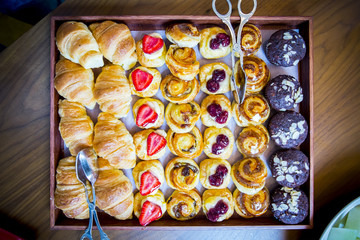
(144, 82)
(183, 34)
(148, 113)
(189, 145)
(76, 43)
(150, 144)
(215, 173)
(149, 208)
(112, 91)
(113, 191)
(215, 78)
(183, 205)
(151, 50)
(76, 128)
(216, 111)
(214, 43)
(182, 173)
(249, 175)
(113, 142)
(249, 206)
(218, 204)
(218, 142)
(181, 118)
(115, 42)
(251, 40)
(182, 62)
(148, 176)
(253, 141)
(254, 110)
(176, 90)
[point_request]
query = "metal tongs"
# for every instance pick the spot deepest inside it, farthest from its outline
(237, 90)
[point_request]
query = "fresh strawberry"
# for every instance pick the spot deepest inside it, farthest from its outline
(149, 213)
(155, 143)
(151, 44)
(148, 183)
(141, 79)
(145, 116)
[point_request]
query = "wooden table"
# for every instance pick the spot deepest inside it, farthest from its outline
(24, 111)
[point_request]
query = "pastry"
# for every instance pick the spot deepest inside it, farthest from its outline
(150, 144)
(249, 206)
(254, 110)
(115, 43)
(182, 63)
(253, 141)
(218, 204)
(249, 175)
(215, 173)
(218, 142)
(176, 90)
(151, 50)
(182, 173)
(76, 43)
(148, 113)
(181, 118)
(149, 208)
(148, 176)
(216, 111)
(251, 39)
(183, 34)
(215, 78)
(288, 129)
(113, 142)
(144, 82)
(183, 205)
(189, 144)
(214, 43)
(285, 48)
(112, 91)
(76, 128)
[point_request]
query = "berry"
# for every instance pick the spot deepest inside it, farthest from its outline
(214, 109)
(212, 85)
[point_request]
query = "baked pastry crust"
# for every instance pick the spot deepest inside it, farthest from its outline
(248, 206)
(210, 136)
(183, 34)
(156, 59)
(189, 145)
(140, 142)
(208, 168)
(158, 199)
(156, 105)
(253, 141)
(181, 118)
(183, 205)
(152, 89)
(154, 166)
(176, 90)
(207, 35)
(206, 74)
(182, 173)
(251, 39)
(212, 196)
(225, 104)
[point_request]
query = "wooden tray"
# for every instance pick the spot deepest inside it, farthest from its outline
(138, 23)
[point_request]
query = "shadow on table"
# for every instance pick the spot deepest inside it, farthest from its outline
(19, 229)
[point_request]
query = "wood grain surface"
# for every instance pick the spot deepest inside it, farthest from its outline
(24, 111)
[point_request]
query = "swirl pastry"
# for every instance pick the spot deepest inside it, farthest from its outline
(189, 145)
(149, 208)
(218, 142)
(144, 82)
(216, 111)
(182, 173)
(215, 78)
(181, 118)
(251, 39)
(257, 72)
(183, 205)
(176, 90)
(148, 176)
(218, 204)
(150, 144)
(249, 206)
(249, 175)
(151, 50)
(215, 173)
(148, 113)
(253, 141)
(183, 34)
(214, 43)
(254, 110)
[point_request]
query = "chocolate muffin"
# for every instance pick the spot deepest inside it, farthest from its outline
(288, 129)
(283, 92)
(285, 48)
(290, 168)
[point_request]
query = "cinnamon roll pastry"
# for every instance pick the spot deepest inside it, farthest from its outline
(183, 205)
(183, 34)
(215, 78)
(150, 144)
(151, 50)
(214, 43)
(215, 173)
(148, 113)
(218, 204)
(253, 141)
(181, 118)
(218, 142)
(144, 82)
(249, 206)
(176, 90)
(254, 110)
(189, 145)
(251, 39)
(148, 176)
(216, 111)
(182, 63)
(149, 208)
(182, 173)
(249, 175)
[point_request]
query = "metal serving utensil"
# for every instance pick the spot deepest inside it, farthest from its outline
(238, 91)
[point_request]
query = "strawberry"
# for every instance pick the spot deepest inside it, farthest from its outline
(148, 183)
(141, 79)
(145, 115)
(155, 143)
(151, 44)
(149, 213)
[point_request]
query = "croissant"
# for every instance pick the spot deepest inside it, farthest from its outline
(76, 43)
(76, 128)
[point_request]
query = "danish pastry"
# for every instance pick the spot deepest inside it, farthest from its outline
(215, 173)
(183, 205)
(148, 176)
(249, 206)
(182, 173)
(144, 82)
(253, 141)
(189, 145)
(218, 204)
(149, 208)
(215, 78)
(183, 34)
(181, 118)
(216, 111)
(151, 50)
(148, 113)
(176, 90)
(251, 39)
(214, 43)
(218, 142)
(150, 144)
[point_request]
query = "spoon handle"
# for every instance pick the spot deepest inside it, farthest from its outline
(88, 232)
(103, 235)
